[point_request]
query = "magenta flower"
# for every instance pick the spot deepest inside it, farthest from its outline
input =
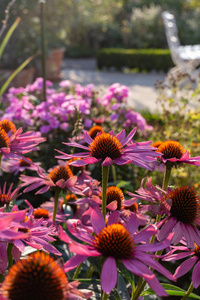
(181, 208)
(115, 241)
(173, 153)
(61, 176)
(37, 236)
(7, 197)
(20, 165)
(108, 148)
(188, 264)
(14, 143)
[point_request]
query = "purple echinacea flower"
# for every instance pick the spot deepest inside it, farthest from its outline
(116, 241)
(109, 149)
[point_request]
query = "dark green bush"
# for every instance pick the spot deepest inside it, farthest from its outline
(142, 59)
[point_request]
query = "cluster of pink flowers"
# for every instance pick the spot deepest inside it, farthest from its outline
(25, 106)
(98, 222)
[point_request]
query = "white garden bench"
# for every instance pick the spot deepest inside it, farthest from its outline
(185, 58)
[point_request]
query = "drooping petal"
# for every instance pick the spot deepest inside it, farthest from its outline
(74, 262)
(167, 228)
(196, 275)
(145, 234)
(141, 270)
(109, 275)
(185, 266)
(148, 260)
(97, 220)
(114, 218)
(132, 224)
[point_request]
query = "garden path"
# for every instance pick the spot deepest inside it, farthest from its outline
(142, 94)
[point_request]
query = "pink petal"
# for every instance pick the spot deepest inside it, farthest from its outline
(132, 224)
(156, 246)
(107, 162)
(196, 275)
(74, 262)
(178, 234)
(63, 235)
(91, 160)
(145, 234)
(97, 220)
(3, 257)
(148, 260)
(87, 138)
(114, 218)
(167, 228)
(141, 270)
(185, 266)
(129, 137)
(112, 205)
(82, 249)
(109, 275)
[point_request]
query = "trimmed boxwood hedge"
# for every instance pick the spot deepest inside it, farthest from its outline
(142, 59)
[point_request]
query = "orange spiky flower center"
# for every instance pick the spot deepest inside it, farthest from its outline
(70, 197)
(105, 145)
(4, 199)
(94, 130)
(156, 144)
(185, 204)
(7, 125)
(36, 277)
(41, 213)
(60, 172)
(4, 139)
(114, 193)
(133, 207)
(171, 149)
(115, 241)
(24, 163)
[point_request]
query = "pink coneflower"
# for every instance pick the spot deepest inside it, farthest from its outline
(7, 197)
(108, 148)
(38, 236)
(174, 154)
(188, 264)
(20, 165)
(61, 176)
(39, 276)
(181, 207)
(14, 143)
(115, 242)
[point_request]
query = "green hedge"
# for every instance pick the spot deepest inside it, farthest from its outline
(142, 59)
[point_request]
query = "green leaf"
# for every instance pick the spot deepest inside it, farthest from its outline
(171, 291)
(8, 35)
(20, 68)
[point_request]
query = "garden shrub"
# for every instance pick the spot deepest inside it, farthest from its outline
(142, 59)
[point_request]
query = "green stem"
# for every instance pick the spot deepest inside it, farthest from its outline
(104, 296)
(142, 282)
(90, 271)
(166, 177)
(43, 54)
(139, 289)
(77, 271)
(57, 193)
(190, 289)
(114, 175)
(105, 171)
(9, 254)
